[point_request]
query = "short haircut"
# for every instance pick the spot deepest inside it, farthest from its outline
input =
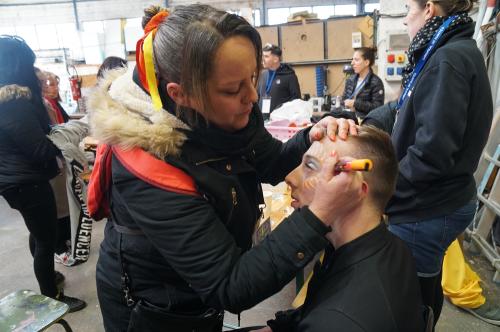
(275, 50)
(375, 144)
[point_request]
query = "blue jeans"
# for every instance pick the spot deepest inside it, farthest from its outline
(428, 239)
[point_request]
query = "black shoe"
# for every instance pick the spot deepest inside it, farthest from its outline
(59, 278)
(73, 303)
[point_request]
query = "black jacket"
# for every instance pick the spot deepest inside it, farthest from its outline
(194, 252)
(369, 284)
(285, 86)
(370, 97)
(441, 130)
(27, 155)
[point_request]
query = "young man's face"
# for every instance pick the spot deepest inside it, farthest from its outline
(303, 179)
(269, 60)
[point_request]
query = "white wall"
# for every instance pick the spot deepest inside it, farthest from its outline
(389, 7)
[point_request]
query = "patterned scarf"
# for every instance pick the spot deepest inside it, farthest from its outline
(424, 36)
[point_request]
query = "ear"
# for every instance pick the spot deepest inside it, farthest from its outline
(177, 94)
(364, 189)
(431, 10)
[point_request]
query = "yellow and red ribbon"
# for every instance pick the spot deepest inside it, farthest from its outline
(145, 58)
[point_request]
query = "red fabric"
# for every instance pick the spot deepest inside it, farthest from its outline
(155, 171)
(99, 184)
(139, 57)
(57, 111)
(140, 163)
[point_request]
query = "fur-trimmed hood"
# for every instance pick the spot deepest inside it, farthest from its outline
(122, 114)
(14, 91)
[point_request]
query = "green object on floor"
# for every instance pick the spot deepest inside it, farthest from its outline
(25, 310)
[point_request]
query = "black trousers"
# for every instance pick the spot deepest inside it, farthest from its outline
(37, 205)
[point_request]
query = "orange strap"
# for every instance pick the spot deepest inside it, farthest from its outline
(155, 171)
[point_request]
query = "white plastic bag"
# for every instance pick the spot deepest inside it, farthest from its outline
(296, 111)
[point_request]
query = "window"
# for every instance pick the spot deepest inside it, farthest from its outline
(345, 10)
(67, 35)
(47, 36)
(370, 7)
(11, 31)
(256, 17)
(93, 26)
(300, 9)
(28, 33)
(278, 15)
(324, 12)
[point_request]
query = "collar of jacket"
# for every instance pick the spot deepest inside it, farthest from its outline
(122, 114)
(462, 31)
(357, 250)
(368, 77)
(14, 91)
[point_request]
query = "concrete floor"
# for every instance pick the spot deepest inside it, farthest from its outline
(16, 272)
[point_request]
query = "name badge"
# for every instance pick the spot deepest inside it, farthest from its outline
(266, 105)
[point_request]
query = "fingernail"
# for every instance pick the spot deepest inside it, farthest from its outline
(333, 153)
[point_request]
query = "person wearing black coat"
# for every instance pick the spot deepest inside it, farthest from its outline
(364, 91)
(29, 160)
(439, 133)
(184, 180)
(278, 81)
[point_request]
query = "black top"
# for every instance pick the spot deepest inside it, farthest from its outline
(285, 86)
(441, 131)
(26, 154)
(369, 97)
(194, 252)
(368, 284)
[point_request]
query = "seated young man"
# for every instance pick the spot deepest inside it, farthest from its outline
(367, 280)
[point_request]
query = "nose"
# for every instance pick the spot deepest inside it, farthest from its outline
(352, 62)
(251, 96)
(292, 178)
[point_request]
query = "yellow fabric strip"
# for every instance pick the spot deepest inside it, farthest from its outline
(150, 71)
(301, 297)
(460, 283)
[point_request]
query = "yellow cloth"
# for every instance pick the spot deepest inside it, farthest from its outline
(460, 283)
(301, 297)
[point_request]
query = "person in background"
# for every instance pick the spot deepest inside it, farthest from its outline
(111, 62)
(50, 92)
(29, 160)
(364, 91)
(183, 153)
(278, 82)
(443, 119)
(57, 115)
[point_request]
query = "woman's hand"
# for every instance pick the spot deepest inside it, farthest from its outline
(336, 193)
(332, 127)
(349, 103)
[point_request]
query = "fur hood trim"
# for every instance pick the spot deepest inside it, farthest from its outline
(122, 114)
(14, 91)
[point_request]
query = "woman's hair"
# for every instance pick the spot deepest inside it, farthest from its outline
(368, 53)
(186, 42)
(17, 64)
(111, 62)
(450, 7)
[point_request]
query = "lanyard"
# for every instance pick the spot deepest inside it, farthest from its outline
(428, 51)
(269, 81)
(359, 87)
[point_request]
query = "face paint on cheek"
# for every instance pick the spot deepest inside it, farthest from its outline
(310, 183)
